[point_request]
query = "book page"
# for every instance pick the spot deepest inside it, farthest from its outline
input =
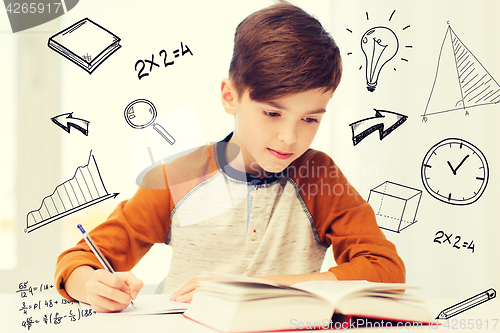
(334, 291)
(244, 290)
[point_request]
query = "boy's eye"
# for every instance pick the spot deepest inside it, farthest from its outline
(271, 113)
(310, 120)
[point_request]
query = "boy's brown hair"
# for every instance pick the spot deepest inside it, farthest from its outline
(282, 50)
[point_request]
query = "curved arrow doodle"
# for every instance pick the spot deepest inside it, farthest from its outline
(384, 121)
(66, 120)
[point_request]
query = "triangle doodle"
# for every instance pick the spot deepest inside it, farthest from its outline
(461, 81)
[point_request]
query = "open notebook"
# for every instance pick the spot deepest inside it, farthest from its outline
(149, 304)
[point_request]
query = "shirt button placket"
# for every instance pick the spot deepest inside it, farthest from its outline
(253, 234)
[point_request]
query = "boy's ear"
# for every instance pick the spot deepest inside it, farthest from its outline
(228, 95)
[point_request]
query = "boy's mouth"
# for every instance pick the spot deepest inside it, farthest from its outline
(278, 154)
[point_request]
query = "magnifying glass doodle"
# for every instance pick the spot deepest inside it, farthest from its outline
(141, 113)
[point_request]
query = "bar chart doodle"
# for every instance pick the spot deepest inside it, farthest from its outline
(84, 189)
(461, 81)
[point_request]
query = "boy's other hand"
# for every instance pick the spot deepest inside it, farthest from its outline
(185, 294)
(107, 292)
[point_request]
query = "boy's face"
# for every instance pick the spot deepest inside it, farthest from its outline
(272, 134)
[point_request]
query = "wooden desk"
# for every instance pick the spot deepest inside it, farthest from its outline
(15, 317)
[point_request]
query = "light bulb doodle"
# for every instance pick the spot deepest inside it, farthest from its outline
(379, 45)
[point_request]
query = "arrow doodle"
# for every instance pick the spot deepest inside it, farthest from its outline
(384, 121)
(66, 120)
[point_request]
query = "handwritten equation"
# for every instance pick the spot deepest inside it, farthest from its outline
(40, 304)
(49, 310)
(56, 318)
(146, 66)
(25, 289)
(456, 242)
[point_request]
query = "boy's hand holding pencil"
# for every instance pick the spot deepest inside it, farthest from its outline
(108, 292)
(105, 290)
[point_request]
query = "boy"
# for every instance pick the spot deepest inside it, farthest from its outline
(260, 202)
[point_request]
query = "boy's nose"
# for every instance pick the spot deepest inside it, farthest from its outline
(288, 134)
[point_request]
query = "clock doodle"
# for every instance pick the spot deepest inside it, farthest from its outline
(455, 171)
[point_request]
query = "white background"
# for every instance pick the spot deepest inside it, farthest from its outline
(31, 141)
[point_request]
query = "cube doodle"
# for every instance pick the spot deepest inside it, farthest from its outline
(395, 205)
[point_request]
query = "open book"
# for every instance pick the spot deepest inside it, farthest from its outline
(259, 305)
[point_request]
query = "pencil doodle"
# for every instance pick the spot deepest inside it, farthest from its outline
(141, 113)
(384, 121)
(84, 189)
(455, 171)
(461, 81)
(379, 45)
(140, 65)
(85, 43)
(467, 304)
(66, 121)
(456, 244)
(395, 205)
